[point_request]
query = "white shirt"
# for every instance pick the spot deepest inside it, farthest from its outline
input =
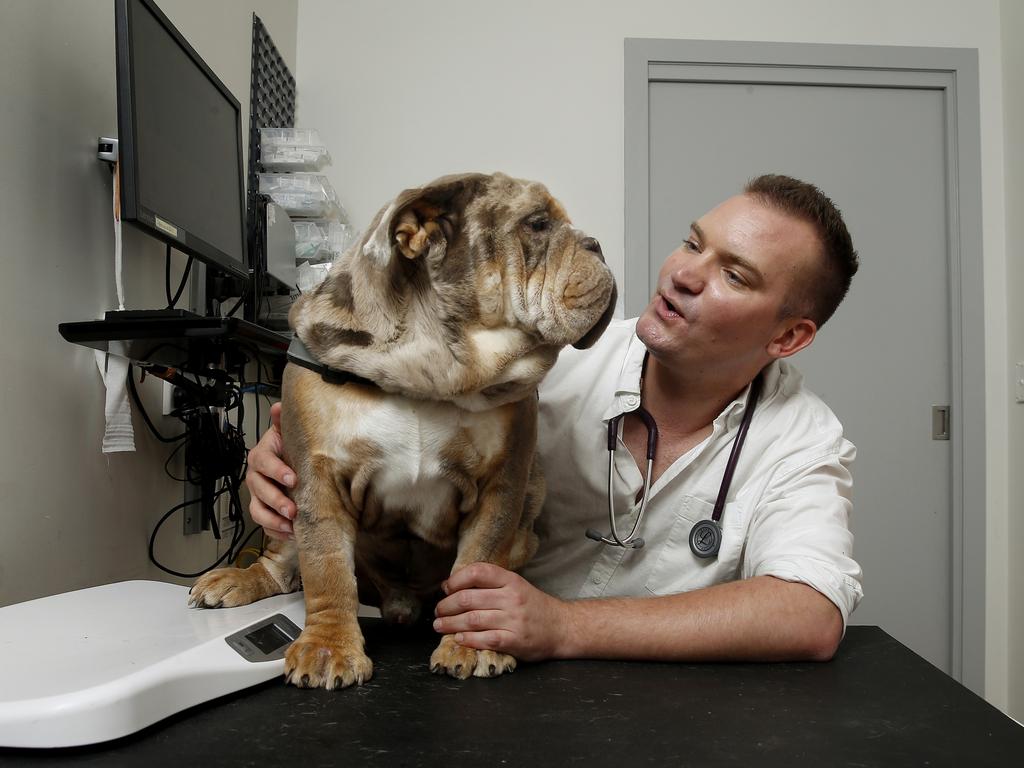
(787, 511)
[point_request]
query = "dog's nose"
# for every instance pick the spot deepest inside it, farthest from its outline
(590, 244)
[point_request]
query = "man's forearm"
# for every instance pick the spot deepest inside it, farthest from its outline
(759, 619)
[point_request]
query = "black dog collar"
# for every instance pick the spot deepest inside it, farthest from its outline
(300, 355)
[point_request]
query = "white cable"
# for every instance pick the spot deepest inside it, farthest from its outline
(118, 434)
(118, 279)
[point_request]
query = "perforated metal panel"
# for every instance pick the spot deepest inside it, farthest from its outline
(271, 105)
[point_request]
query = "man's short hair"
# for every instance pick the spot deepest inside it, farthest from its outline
(820, 292)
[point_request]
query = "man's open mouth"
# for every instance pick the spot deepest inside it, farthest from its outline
(670, 307)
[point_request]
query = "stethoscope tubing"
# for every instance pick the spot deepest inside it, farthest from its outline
(632, 541)
(737, 445)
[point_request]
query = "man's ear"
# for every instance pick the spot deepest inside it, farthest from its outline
(419, 220)
(794, 335)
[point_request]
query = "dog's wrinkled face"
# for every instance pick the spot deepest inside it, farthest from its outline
(509, 248)
(468, 285)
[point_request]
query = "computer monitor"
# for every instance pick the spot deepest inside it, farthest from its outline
(180, 142)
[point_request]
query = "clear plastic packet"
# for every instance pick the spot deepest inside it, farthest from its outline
(302, 195)
(292, 149)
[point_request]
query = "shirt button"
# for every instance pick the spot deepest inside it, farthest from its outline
(596, 579)
(632, 401)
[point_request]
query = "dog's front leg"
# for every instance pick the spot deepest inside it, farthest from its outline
(493, 533)
(329, 652)
(498, 531)
(276, 572)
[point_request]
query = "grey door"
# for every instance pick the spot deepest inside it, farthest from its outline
(886, 357)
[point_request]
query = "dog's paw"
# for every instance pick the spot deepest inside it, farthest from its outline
(230, 587)
(333, 662)
(450, 658)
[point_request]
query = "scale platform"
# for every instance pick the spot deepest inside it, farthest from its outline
(100, 663)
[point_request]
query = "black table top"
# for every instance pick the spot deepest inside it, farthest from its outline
(875, 704)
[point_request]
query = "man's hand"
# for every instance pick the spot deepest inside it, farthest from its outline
(756, 619)
(490, 608)
(267, 473)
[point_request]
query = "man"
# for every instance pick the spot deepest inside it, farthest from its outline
(750, 286)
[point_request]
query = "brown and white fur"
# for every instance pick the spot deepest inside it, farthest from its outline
(455, 303)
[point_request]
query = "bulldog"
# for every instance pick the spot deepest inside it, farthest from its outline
(410, 416)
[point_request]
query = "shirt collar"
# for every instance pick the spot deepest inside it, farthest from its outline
(627, 390)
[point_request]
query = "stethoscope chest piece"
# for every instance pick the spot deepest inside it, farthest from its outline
(705, 539)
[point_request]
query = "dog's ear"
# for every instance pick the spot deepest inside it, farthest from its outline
(420, 219)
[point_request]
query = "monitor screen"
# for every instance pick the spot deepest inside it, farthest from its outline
(180, 141)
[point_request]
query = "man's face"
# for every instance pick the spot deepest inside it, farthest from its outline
(717, 307)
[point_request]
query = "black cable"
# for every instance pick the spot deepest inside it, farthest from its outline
(235, 511)
(181, 286)
(170, 458)
(270, 420)
(214, 523)
(241, 394)
(234, 309)
(256, 396)
(237, 542)
(241, 546)
(229, 462)
(235, 514)
(255, 352)
(242, 386)
(165, 569)
(221, 452)
(256, 392)
(145, 416)
(171, 302)
(167, 276)
(261, 370)
(232, 482)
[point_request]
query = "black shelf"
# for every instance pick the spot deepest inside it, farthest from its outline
(190, 344)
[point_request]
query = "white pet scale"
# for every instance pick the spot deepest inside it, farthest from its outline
(100, 663)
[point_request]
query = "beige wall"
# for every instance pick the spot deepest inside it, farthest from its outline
(405, 91)
(73, 517)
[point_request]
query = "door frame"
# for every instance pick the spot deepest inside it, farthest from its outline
(954, 72)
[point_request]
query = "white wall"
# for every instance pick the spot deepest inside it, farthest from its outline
(405, 91)
(73, 517)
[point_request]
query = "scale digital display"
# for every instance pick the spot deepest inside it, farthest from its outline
(266, 640)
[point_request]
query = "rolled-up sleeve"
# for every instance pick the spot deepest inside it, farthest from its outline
(800, 531)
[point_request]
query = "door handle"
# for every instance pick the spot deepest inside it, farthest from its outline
(940, 422)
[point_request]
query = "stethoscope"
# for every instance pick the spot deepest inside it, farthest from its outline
(706, 535)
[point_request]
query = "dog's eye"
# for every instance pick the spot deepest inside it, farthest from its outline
(539, 224)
